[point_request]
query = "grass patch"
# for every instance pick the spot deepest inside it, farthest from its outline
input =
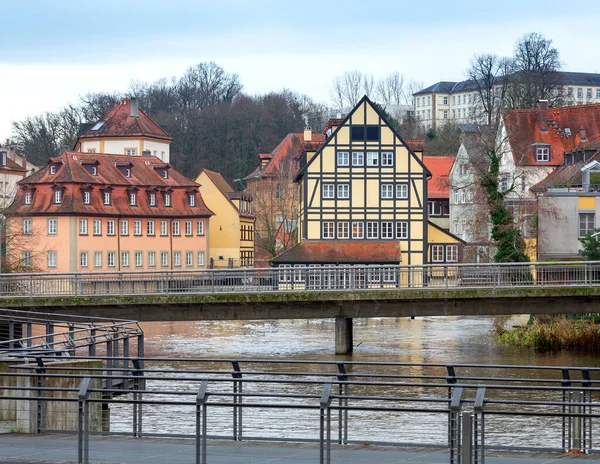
(552, 333)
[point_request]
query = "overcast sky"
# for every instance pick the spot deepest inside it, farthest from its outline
(52, 51)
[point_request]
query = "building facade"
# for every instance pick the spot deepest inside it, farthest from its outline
(438, 190)
(231, 229)
(363, 199)
(97, 212)
(125, 130)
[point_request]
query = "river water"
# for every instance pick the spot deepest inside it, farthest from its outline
(445, 340)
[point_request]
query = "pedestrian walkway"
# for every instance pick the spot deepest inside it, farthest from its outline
(36, 449)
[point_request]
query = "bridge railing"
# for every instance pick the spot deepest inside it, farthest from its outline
(301, 278)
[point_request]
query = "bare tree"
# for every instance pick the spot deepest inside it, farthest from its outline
(207, 84)
(350, 87)
(391, 90)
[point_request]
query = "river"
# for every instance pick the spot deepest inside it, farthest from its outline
(445, 340)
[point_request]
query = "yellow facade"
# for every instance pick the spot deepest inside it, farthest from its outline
(231, 229)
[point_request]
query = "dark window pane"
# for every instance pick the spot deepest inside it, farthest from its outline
(358, 133)
(373, 133)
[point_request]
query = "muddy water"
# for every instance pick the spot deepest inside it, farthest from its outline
(422, 340)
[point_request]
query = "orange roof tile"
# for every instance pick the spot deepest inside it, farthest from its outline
(438, 185)
(343, 252)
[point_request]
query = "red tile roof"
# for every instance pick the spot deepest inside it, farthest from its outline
(343, 252)
(416, 145)
(72, 176)
(438, 185)
(523, 130)
(119, 123)
(218, 180)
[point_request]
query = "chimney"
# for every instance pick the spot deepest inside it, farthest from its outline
(543, 114)
(583, 135)
(134, 107)
(308, 134)
(24, 161)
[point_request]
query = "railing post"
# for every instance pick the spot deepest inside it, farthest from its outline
(455, 426)
(325, 425)
(83, 422)
(466, 456)
(479, 427)
(41, 404)
(566, 421)
(587, 410)
(237, 401)
(450, 379)
(201, 399)
(343, 404)
(137, 397)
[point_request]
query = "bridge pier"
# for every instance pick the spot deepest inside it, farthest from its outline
(343, 335)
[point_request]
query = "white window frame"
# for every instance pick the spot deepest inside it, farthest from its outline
(343, 158)
(176, 228)
(360, 230)
(437, 253)
(27, 226)
(97, 259)
(358, 158)
(343, 191)
(139, 258)
(343, 230)
(402, 191)
(57, 197)
(328, 191)
(328, 230)
(152, 199)
(192, 199)
(150, 228)
(451, 253)
(372, 230)
(152, 259)
(106, 198)
(167, 199)
(189, 259)
(164, 228)
(372, 158)
(200, 259)
(111, 258)
(402, 230)
(83, 227)
(87, 198)
(83, 259)
(387, 158)
(53, 169)
(189, 229)
(542, 154)
(52, 226)
(124, 227)
(387, 230)
(132, 199)
(26, 258)
(200, 226)
(28, 197)
(164, 258)
(124, 259)
(387, 191)
(137, 227)
(51, 259)
(110, 227)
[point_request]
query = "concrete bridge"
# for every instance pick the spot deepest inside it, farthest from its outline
(340, 292)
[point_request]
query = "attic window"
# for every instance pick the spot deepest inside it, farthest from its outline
(98, 125)
(28, 197)
(53, 169)
(568, 131)
(542, 154)
(3, 158)
(192, 199)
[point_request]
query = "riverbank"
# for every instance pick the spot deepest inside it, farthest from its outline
(552, 333)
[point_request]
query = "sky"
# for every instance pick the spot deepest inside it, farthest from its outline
(53, 51)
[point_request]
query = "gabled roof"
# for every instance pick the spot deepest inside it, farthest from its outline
(118, 122)
(218, 180)
(342, 252)
(366, 100)
(569, 175)
(438, 87)
(283, 155)
(438, 186)
(523, 130)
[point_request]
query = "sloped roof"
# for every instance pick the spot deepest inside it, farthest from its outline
(523, 130)
(218, 180)
(342, 252)
(118, 122)
(438, 185)
(570, 175)
(438, 87)
(416, 145)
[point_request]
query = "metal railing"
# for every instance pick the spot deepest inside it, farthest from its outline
(466, 409)
(301, 278)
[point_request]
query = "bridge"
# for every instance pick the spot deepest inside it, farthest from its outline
(311, 292)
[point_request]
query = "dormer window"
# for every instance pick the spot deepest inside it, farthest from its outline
(167, 199)
(58, 197)
(127, 172)
(28, 196)
(3, 158)
(162, 170)
(87, 198)
(192, 199)
(106, 197)
(152, 199)
(93, 170)
(90, 166)
(132, 199)
(542, 154)
(53, 169)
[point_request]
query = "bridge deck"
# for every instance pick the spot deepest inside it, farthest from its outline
(16, 448)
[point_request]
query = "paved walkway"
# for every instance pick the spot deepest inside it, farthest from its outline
(36, 449)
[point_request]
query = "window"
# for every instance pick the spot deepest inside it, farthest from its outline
(51, 259)
(27, 226)
(589, 93)
(176, 230)
(57, 196)
(358, 158)
(139, 259)
(164, 258)
(579, 92)
(587, 223)
(192, 199)
(110, 258)
(358, 230)
(26, 258)
(151, 259)
(279, 191)
(188, 228)
(402, 191)
(445, 100)
(83, 229)
(328, 231)
(130, 151)
(451, 253)
(445, 114)
(164, 229)
(343, 190)
(542, 154)
(27, 198)
(93, 169)
(106, 198)
(200, 258)
(372, 158)
(328, 190)
(570, 91)
(402, 230)
(132, 199)
(53, 169)
(504, 186)
(372, 230)
(597, 93)
(455, 227)
(167, 199)
(150, 228)
(124, 227)
(125, 259)
(369, 133)
(437, 253)
(189, 259)
(97, 259)
(137, 227)
(51, 226)
(387, 158)
(152, 199)
(83, 259)
(435, 209)
(110, 227)
(387, 191)
(87, 198)
(343, 230)
(453, 114)
(342, 158)
(387, 229)
(200, 226)
(454, 99)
